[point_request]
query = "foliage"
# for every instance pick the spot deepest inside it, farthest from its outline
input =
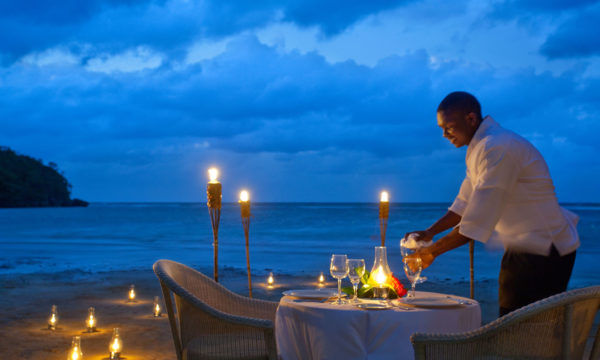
(365, 290)
(27, 182)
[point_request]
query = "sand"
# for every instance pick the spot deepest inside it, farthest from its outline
(26, 300)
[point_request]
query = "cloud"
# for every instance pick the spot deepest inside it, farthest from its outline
(166, 26)
(579, 36)
(298, 113)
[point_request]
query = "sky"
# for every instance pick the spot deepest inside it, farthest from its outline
(298, 100)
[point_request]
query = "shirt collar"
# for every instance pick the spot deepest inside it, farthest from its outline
(486, 124)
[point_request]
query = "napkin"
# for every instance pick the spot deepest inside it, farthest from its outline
(413, 242)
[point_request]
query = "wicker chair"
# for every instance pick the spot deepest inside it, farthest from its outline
(553, 328)
(211, 321)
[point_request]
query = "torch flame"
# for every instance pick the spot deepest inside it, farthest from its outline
(244, 196)
(385, 197)
(213, 174)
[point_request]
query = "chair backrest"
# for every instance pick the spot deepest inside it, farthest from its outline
(208, 314)
(553, 328)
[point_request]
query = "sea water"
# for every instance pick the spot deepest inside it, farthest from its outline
(285, 238)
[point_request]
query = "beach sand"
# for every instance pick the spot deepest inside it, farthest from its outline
(26, 301)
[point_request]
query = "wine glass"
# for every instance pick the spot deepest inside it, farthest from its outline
(412, 268)
(356, 269)
(409, 246)
(339, 270)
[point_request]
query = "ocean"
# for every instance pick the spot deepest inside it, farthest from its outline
(285, 238)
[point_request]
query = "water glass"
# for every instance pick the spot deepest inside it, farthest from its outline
(412, 268)
(356, 269)
(339, 270)
(408, 247)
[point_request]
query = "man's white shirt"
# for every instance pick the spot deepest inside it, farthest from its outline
(508, 195)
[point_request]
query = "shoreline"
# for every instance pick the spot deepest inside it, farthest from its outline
(27, 299)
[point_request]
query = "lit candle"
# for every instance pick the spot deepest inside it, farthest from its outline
(213, 189)
(156, 307)
(53, 319)
(321, 278)
(116, 345)
(380, 277)
(245, 203)
(270, 280)
(132, 293)
(91, 320)
(75, 353)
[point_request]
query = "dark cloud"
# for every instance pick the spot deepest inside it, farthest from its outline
(516, 7)
(167, 26)
(579, 36)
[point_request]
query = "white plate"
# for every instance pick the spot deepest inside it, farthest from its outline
(430, 302)
(312, 293)
(374, 306)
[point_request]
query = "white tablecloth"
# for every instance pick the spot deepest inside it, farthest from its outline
(312, 330)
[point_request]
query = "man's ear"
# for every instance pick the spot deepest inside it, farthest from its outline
(472, 119)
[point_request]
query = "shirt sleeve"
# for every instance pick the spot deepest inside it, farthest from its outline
(499, 170)
(462, 199)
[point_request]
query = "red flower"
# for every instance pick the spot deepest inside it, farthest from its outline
(398, 287)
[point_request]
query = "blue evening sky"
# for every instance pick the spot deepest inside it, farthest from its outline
(301, 100)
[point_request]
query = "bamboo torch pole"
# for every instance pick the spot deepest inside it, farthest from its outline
(384, 213)
(214, 194)
(471, 269)
(245, 211)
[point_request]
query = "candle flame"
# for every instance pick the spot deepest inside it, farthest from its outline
(91, 321)
(270, 280)
(131, 294)
(213, 174)
(321, 278)
(116, 345)
(75, 353)
(244, 196)
(380, 276)
(385, 197)
(53, 319)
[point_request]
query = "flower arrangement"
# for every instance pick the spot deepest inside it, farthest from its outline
(395, 287)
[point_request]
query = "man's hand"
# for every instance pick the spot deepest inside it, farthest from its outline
(426, 258)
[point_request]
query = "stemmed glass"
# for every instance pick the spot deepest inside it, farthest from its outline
(412, 268)
(356, 269)
(409, 246)
(339, 270)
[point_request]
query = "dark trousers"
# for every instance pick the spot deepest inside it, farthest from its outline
(527, 278)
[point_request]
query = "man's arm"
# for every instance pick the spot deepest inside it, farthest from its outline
(450, 219)
(450, 241)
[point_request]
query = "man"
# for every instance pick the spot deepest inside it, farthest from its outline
(507, 196)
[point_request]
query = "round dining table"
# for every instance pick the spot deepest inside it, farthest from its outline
(309, 329)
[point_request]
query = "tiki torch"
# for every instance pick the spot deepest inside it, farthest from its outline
(245, 209)
(213, 193)
(384, 214)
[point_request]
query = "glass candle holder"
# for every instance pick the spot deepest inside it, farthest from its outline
(156, 307)
(53, 319)
(381, 273)
(90, 322)
(75, 353)
(131, 294)
(116, 345)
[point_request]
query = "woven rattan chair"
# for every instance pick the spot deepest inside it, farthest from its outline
(211, 322)
(553, 328)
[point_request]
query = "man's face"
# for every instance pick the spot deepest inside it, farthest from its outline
(458, 127)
